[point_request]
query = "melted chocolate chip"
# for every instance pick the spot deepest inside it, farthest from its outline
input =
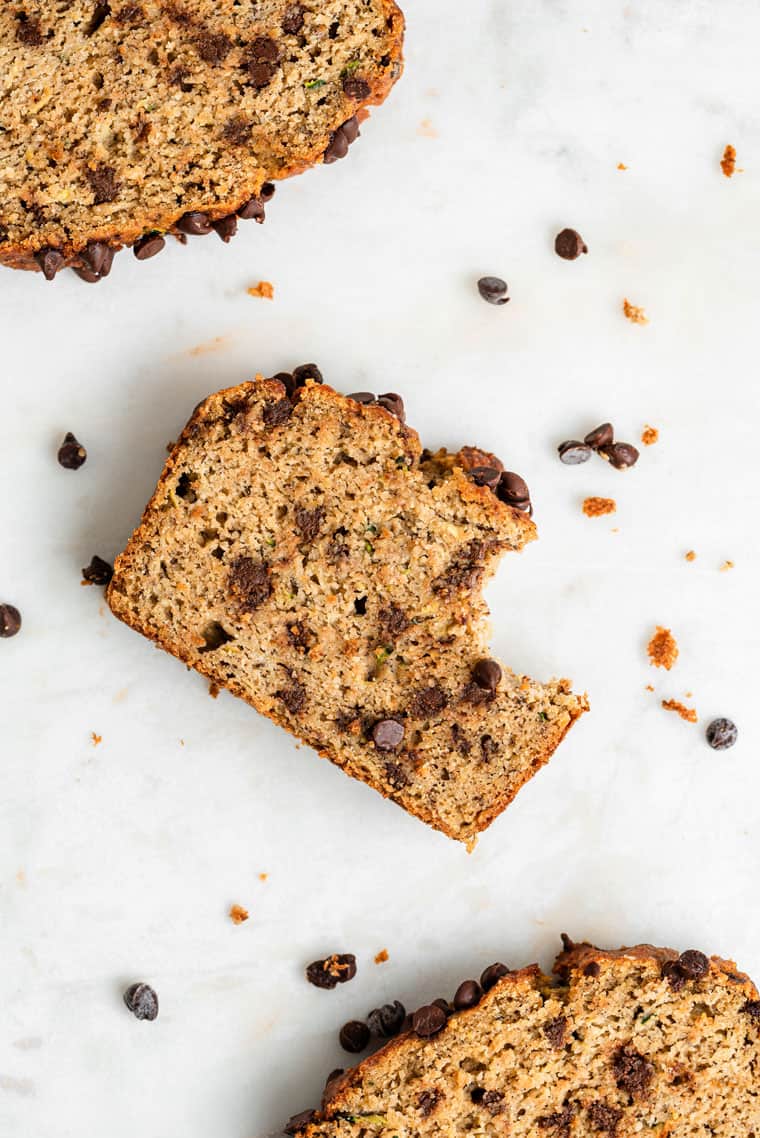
(213, 49)
(393, 403)
(604, 1118)
(556, 1032)
(276, 413)
(486, 674)
(304, 372)
(98, 572)
(104, 184)
(293, 696)
(393, 620)
(298, 1122)
(592, 969)
(428, 702)
(633, 1073)
(309, 522)
(252, 210)
(249, 583)
(292, 20)
(340, 140)
(356, 89)
(694, 964)
(95, 262)
(485, 476)
(51, 261)
(148, 246)
(427, 1101)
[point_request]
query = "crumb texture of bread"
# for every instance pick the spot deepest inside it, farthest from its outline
(120, 118)
(616, 1044)
(307, 555)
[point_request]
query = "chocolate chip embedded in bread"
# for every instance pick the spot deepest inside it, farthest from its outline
(427, 1101)
(212, 48)
(513, 489)
(304, 372)
(486, 476)
(592, 969)
(556, 1031)
(428, 702)
(148, 246)
(309, 522)
(292, 20)
(276, 413)
(104, 184)
(491, 975)
(388, 734)
(393, 403)
(298, 1122)
(357, 89)
(632, 1071)
(252, 210)
(293, 697)
(487, 674)
(95, 262)
(340, 140)
(249, 583)
(604, 1118)
(51, 261)
(694, 964)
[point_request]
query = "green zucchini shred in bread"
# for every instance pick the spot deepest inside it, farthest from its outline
(302, 551)
(617, 1044)
(121, 122)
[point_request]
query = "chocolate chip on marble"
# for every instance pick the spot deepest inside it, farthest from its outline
(388, 1020)
(491, 975)
(10, 621)
(95, 262)
(569, 245)
(573, 453)
(267, 192)
(467, 995)
(148, 246)
(721, 734)
(226, 227)
(340, 140)
(195, 223)
(252, 210)
(486, 674)
(354, 1036)
(71, 453)
(51, 261)
(142, 1001)
(98, 572)
(336, 969)
(620, 455)
(428, 1021)
(601, 436)
(493, 289)
(298, 1122)
(485, 476)
(388, 734)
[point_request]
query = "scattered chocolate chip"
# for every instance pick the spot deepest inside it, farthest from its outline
(601, 436)
(428, 1021)
(388, 734)
(486, 476)
(148, 246)
(95, 262)
(467, 995)
(354, 1036)
(340, 140)
(142, 1001)
(356, 89)
(694, 964)
(633, 1073)
(513, 490)
(298, 1122)
(493, 289)
(71, 453)
(195, 223)
(569, 245)
(491, 975)
(556, 1032)
(10, 621)
(51, 261)
(333, 970)
(592, 969)
(252, 210)
(721, 734)
(486, 674)
(573, 453)
(267, 192)
(98, 572)
(444, 1005)
(226, 227)
(304, 372)
(292, 20)
(620, 455)
(393, 403)
(387, 1021)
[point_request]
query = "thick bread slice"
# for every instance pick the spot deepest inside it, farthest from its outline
(307, 555)
(635, 1042)
(121, 121)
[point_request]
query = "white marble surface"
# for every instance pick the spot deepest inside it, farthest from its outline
(118, 862)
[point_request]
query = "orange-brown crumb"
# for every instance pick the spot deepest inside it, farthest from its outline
(210, 346)
(264, 289)
(649, 687)
(597, 507)
(96, 738)
(263, 876)
(213, 690)
(382, 956)
(622, 166)
(662, 649)
(634, 314)
(728, 161)
(649, 436)
(690, 555)
(238, 914)
(726, 565)
(687, 713)
(426, 129)
(333, 967)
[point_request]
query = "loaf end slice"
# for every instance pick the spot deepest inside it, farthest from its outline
(616, 1044)
(304, 552)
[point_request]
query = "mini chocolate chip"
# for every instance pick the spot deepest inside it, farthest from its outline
(601, 436)
(388, 1020)
(356, 89)
(486, 674)
(298, 1122)
(195, 223)
(354, 1036)
(467, 995)
(336, 969)
(142, 1001)
(252, 210)
(485, 476)
(393, 403)
(513, 490)
(226, 227)
(573, 453)
(51, 261)
(98, 572)
(388, 734)
(620, 455)
(569, 245)
(694, 964)
(491, 975)
(428, 1021)
(366, 398)
(148, 246)
(304, 372)
(721, 734)
(592, 969)
(10, 621)
(71, 453)
(493, 289)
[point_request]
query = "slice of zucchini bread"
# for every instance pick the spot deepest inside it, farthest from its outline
(302, 551)
(617, 1044)
(121, 122)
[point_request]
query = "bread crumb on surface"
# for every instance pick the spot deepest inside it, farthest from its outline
(634, 314)
(728, 161)
(238, 914)
(726, 565)
(263, 876)
(690, 555)
(649, 436)
(662, 648)
(210, 346)
(687, 713)
(96, 738)
(382, 956)
(264, 289)
(597, 507)
(622, 166)
(649, 687)
(213, 690)
(426, 129)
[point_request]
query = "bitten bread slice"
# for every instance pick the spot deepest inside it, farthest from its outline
(302, 551)
(120, 122)
(635, 1042)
